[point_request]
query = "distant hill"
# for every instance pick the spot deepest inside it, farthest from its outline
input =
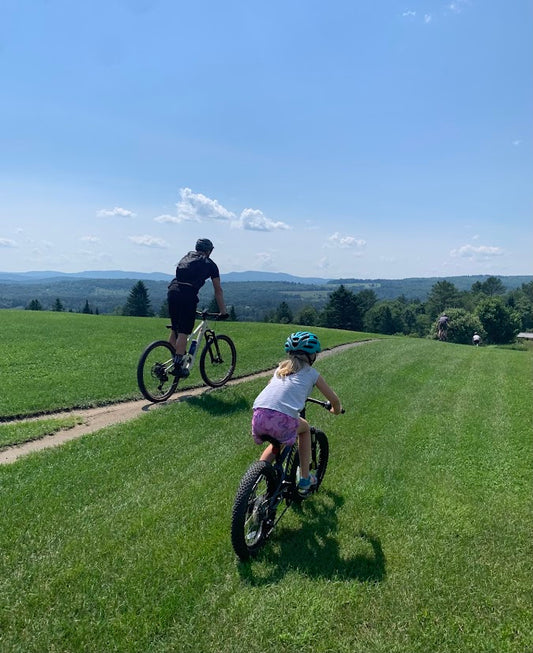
(39, 276)
(270, 276)
(252, 294)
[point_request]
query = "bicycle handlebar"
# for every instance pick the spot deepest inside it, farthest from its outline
(325, 404)
(215, 316)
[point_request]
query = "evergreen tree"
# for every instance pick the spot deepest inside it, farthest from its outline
(87, 309)
(284, 314)
(58, 306)
(232, 314)
(443, 295)
(342, 311)
(138, 303)
(34, 305)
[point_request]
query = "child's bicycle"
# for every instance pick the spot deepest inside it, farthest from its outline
(266, 486)
(155, 370)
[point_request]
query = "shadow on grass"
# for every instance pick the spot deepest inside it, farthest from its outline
(313, 549)
(214, 405)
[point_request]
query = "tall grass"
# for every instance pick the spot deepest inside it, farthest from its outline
(419, 540)
(52, 361)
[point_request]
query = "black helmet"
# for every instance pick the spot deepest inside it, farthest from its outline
(204, 245)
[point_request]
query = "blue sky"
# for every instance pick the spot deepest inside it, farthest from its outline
(341, 139)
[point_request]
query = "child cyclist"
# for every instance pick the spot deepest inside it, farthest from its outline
(276, 410)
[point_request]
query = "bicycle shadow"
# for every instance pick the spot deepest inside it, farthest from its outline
(313, 549)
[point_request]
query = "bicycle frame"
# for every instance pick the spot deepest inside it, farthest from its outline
(200, 332)
(283, 461)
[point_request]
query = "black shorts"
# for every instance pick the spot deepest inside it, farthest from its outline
(182, 303)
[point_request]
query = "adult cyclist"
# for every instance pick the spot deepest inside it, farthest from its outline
(191, 273)
(443, 327)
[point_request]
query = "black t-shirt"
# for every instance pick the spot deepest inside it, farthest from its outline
(193, 270)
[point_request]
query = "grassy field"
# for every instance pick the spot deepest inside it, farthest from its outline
(51, 361)
(419, 541)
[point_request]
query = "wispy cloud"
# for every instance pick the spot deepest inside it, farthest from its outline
(199, 208)
(483, 252)
(117, 211)
(409, 14)
(516, 142)
(255, 220)
(149, 241)
(90, 239)
(7, 242)
(344, 242)
(457, 6)
(427, 18)
(166, 218)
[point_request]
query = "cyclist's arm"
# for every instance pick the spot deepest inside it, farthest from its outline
(329, 394)
(219, 295)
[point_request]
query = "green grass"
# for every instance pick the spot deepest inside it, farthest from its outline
(419, 541)
(18, 432)
(52, 361)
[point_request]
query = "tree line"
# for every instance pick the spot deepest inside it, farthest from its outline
(487, 308)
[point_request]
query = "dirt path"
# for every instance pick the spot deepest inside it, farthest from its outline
(102, 416)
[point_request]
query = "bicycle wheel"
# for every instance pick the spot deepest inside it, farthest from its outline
(317, 464)
(154, 372)
(252, 517)
(217, 361)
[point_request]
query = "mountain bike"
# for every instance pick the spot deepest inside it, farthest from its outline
(156, 376)
(265, 487)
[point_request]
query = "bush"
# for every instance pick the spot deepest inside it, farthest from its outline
(500, 322)
(461, 326)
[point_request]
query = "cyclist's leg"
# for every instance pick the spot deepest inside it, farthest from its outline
(304, 446)
(182, 310)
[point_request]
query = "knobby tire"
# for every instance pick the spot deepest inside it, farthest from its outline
(251, 520)
(210, 363)
(154, 377)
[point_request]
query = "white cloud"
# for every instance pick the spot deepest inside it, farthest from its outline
(457, 6)
(427, 18)
(197, 208)
(255, 220)
(516, 142)
(344, 242)
(165, 218)
(409, 14)
(149, 241)
(264, 259)
(482, 252)
(323, 263)
(90, 239)
(109, 213)
(7, 242)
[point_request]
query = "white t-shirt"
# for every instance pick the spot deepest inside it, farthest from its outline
(287, 394)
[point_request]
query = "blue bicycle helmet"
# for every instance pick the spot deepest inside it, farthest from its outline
(303, 341)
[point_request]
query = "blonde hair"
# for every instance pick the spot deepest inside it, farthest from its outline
(296, 362)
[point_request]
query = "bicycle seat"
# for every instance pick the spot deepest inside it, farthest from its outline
(275, 443)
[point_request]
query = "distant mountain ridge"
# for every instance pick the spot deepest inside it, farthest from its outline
(250, 275)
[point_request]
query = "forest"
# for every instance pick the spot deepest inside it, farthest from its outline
(495, 308)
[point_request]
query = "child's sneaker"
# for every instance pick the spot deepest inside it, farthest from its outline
(305, 485)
